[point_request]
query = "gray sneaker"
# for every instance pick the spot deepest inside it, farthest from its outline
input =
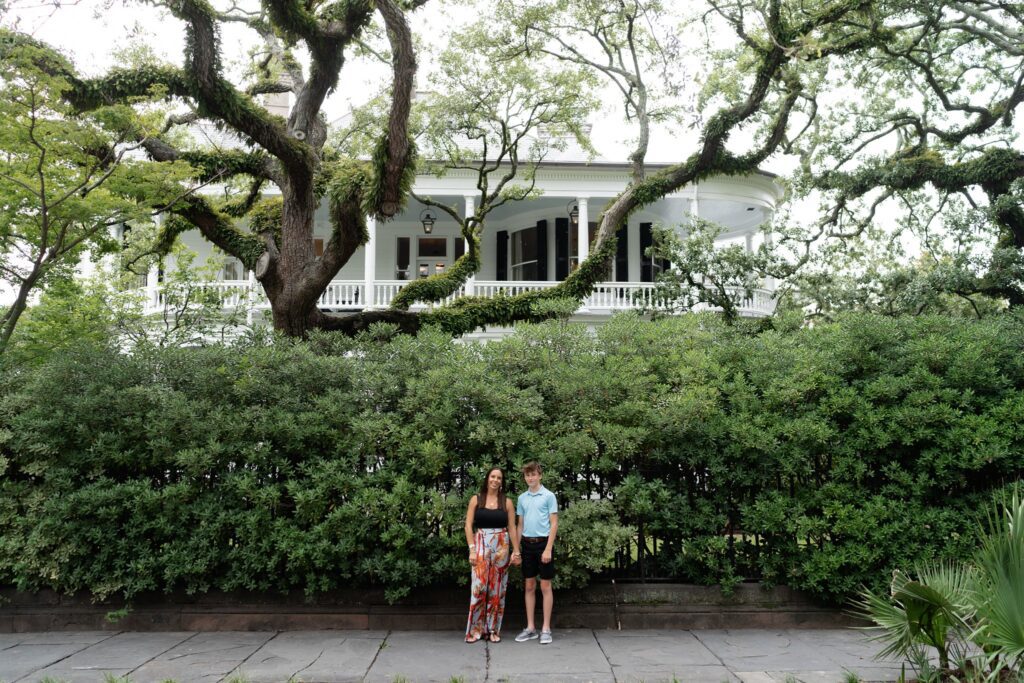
(527, 634)
(545, 637)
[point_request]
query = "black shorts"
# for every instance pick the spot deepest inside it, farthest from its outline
(532, 549)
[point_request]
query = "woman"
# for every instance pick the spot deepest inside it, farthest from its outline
(494, 518)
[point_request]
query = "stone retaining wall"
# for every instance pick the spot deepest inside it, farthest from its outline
(603, 606)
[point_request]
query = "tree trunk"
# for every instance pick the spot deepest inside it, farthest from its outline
(11, 316)
(291, 281)
(294, 316)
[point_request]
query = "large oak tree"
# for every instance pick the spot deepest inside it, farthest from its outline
(778, 51)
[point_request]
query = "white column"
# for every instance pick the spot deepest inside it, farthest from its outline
(370, 264)
(769, 242)
(695, 212)
(471, 280)
(750, 242)
(153, 288)
(250, 298)
(583, 229)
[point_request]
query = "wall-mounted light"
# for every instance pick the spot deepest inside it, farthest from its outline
(574, 212)
(428, 219)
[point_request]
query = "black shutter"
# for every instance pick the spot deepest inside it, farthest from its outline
(646, 240)
(501, 267)
(561, 248)
(622, 254)
(542, 250)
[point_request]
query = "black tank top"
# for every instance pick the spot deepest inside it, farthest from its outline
(490, 519)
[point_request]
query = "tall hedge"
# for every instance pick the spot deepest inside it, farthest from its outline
(820, 458)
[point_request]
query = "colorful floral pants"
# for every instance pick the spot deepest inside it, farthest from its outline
(490, 578)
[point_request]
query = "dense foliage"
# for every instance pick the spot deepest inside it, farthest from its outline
(968, 615)
(821, 458)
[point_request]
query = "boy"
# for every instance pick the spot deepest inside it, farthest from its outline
(537, 509)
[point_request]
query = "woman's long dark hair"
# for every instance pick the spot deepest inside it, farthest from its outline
(481, 500)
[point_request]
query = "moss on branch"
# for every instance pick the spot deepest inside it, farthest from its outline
(994, 168)
(347, 182)
(377, 200)
(219, 229)
(469, 313)
(221, 165)
(124, 85)
(266, 217)
(173, 226)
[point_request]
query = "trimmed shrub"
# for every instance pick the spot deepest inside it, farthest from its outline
(820, 458)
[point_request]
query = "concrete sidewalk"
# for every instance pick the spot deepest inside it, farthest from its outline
(750, 656)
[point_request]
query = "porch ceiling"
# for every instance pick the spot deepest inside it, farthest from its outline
(737, 216)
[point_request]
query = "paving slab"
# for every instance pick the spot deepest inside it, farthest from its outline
(204, 658)
(767, 650)
(809, 656)
(34, 651)
(315, 656)
(116, 656)
(650, 656)
(853, 651)
(575, 655)
(62, 637)
(755, 677)
(428, 656)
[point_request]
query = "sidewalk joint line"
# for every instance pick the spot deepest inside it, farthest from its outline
(379, 650)
(159, 654)
(706, 647)
(315, 660)
(487, 661)
(601, 648)
(239, 665)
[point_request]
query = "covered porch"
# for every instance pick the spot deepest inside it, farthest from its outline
(525, 245)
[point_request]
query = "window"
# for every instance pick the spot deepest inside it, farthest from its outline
(432, 247)
(574, 243)
(402, 262)
(525, 255)
(460, 247)
(318, 246)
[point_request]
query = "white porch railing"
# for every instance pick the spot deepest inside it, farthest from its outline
(385, 291)
(350, 295)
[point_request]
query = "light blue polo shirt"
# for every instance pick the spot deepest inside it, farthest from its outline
(536, 510)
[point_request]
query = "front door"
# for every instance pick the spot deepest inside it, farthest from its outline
(432, 256)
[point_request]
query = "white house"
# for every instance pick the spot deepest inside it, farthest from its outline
(526, 245)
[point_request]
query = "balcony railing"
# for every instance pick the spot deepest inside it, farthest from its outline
(350, 295)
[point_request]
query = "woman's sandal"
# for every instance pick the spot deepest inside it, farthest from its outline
(472, 639)
(495, 638)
